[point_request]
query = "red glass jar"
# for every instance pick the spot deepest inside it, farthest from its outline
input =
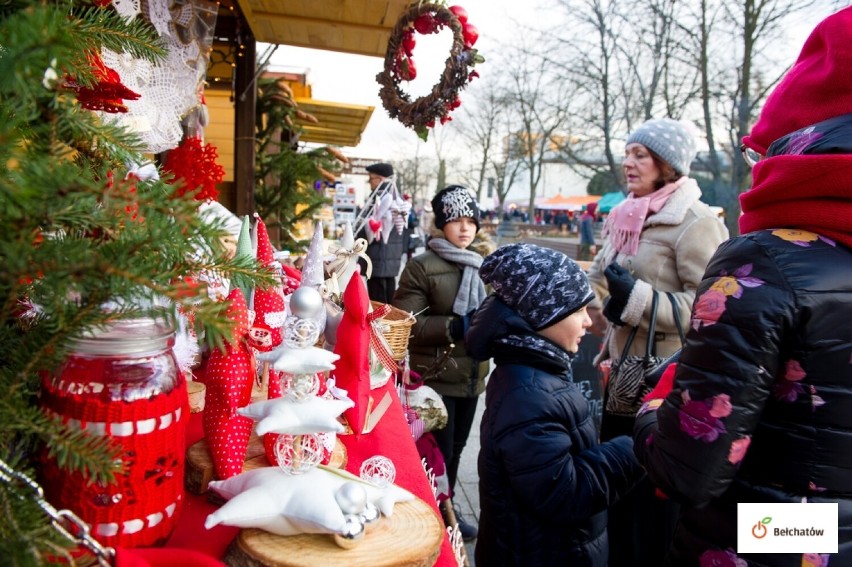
(123, 382)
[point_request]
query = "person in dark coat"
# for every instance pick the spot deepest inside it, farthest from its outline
(386, 257)
(545, 482)
(588, 246)
(411, 234)
(761, 405)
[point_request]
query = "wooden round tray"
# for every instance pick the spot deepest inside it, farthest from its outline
(411, 537)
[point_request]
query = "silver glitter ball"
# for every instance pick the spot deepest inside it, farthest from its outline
(306, 302)
(351, 497)
(370, 516)
(353, 533)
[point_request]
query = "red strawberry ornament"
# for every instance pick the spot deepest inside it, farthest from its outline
(408, 42)
(459, 13)
(470, 33)
(408, 70)
(426, 24)
(229, 380)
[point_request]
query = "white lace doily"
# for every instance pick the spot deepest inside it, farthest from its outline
(171, 89)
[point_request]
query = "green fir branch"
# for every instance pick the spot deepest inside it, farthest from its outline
(108, 29)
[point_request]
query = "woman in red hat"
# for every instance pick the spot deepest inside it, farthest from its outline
(760, 408)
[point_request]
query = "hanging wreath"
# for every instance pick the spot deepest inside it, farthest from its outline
(424, 112)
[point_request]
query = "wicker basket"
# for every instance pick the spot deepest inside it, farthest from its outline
(396, 329)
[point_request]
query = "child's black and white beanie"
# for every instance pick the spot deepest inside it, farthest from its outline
(454, 202)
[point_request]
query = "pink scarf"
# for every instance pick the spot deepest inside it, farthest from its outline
(624, 223)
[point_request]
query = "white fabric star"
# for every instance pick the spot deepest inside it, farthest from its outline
(281, 415)
(270, 499)
(309, 360)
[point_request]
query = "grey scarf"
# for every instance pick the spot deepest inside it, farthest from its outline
(471, 291)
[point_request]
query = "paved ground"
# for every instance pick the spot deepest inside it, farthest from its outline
(467, 483)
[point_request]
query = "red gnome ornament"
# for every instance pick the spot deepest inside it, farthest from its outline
(352, 371)
(229, 379)
(265, 333)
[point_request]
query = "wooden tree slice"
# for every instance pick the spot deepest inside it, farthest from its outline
(412, 537)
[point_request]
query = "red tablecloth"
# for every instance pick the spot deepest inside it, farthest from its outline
(390, 438)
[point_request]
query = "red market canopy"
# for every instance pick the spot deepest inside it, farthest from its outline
(574, 203)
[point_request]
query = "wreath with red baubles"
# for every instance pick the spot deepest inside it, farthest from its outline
(423, 113)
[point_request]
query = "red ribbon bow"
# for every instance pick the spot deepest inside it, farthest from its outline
(377, 341)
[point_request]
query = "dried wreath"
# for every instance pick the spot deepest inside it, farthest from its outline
(422, 113)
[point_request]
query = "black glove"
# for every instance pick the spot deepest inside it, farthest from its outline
(613, 308)
(459, 327)
(619, 281)
(620, 284)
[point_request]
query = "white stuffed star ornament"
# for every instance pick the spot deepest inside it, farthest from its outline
(306, 360)
(270, 499)
(281, 415)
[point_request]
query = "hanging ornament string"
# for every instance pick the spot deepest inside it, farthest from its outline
(422, 113)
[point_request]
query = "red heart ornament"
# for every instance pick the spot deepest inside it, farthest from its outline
(375, 225)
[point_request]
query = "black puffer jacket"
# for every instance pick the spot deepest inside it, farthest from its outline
(544, 481)
(762, 405)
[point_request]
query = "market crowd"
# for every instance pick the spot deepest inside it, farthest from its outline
(726, 360)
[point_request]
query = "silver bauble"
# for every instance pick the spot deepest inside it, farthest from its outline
(351, 497)
(353, 533)
(306, 302)
(370, 516)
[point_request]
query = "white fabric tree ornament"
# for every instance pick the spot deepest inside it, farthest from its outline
(282, 504)
(284, 416)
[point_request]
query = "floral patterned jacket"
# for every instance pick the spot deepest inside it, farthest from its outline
(761, 409)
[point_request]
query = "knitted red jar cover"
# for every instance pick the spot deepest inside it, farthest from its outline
(141, 508)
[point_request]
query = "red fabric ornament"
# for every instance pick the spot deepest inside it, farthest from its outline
(265, 333)
(108, 94)
(352, 370)
(195, 169)
(291, 279)
(229, 380)
(265, 254)
(269, 305)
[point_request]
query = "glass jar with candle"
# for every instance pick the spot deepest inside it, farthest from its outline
(122, 381)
